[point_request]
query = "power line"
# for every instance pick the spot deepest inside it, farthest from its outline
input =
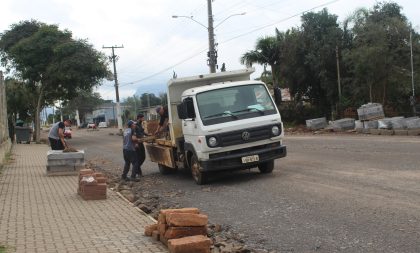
(279, 21)
(233, 38)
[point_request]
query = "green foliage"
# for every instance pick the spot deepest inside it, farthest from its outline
(20, 100)
(85, 102)
(266, 52)
(378, 60)
(53, 64)
(373, 51)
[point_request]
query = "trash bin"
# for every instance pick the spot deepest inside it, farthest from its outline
(23, 134)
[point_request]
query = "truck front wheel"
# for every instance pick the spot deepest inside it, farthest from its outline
(266, 167)
(198, 176)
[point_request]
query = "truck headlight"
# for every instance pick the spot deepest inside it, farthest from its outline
(212, 141)
(275, 130)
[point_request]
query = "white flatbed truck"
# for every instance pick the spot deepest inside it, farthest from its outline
(218, 122)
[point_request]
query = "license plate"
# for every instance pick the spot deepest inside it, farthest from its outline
(250, 159)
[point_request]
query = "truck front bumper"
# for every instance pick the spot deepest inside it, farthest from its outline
(233, 160)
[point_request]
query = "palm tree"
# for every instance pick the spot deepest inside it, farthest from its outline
(267, 51)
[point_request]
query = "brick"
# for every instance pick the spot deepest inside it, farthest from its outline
(94, 182)
(93, 189)
(179, 232)
(85, 171)
(155, 235)
(163, 240)
(196, 244)
(101, 180)
(98, 174)
(186, 220)
(162, 228)
(163, 212)
(148, 230)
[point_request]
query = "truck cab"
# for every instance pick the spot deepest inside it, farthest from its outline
(221, 121)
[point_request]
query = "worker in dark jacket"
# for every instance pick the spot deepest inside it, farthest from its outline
(141, 154)
(164, 118)
(56, 135)
(129, 151)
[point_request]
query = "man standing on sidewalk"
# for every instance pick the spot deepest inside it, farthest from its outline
(56, 135)
(129, 151)
(141, 154)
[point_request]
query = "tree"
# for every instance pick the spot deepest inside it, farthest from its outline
(20, 101)
(51, 62)
(267, 52)
(84, 103)
(380, 53)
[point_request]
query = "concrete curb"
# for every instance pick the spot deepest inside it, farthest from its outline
(135, 207)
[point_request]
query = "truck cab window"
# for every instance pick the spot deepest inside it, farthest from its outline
(233, 103)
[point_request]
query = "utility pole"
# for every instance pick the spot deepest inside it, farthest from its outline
(413, 97)
(117, 95)
(338, 74)
(338, 81)
(212, 54)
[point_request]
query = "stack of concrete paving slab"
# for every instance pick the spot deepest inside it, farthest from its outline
(370, 111)
(182, 230)
(316, 124)
(64, 163)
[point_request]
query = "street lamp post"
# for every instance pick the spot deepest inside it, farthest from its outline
(212, 53)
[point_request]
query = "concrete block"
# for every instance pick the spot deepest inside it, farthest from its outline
(179, 232)
(343, 124)
(61, 170)
(413, 132)
(375, 131)
(400, 132)
(196, 244)
(413, 123)
(386, 132)
(186, 220)
(69, 161)
(370, 111)
(59, 154)
(316, 124)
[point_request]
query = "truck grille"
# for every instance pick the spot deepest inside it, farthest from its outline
(244, 136)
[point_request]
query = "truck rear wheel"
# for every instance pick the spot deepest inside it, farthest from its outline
(198, 176)
(165, 169)
(266, 167)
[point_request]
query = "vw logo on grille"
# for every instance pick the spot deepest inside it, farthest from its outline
(246, 135)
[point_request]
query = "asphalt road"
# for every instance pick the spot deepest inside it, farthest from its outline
(332, 193)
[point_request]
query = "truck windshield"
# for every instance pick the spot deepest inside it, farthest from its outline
(233, 103)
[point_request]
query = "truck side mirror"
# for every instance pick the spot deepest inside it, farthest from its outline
(189, 104)
(186, 109)
(277, 95)
(182, 114)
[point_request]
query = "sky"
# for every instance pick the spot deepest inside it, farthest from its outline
(157, 45)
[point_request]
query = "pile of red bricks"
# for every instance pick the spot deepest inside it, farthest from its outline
(92, 185)
(182, 230)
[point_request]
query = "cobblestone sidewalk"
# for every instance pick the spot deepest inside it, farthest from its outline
(45, 214)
